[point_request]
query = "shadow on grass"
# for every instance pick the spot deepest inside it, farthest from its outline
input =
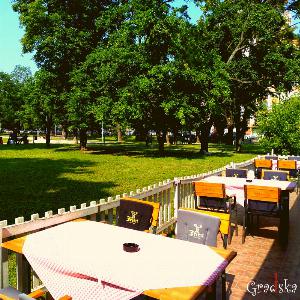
(30, 186)
(139, 150)
(22, 147)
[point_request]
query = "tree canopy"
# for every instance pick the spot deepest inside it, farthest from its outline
(143, 64)
(280, 127)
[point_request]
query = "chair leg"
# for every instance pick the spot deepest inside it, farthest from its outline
(236, 222)
(225, 241)
(245, 225)
(244, 228)
(223, 278)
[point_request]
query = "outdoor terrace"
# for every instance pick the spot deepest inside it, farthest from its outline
(260, 259)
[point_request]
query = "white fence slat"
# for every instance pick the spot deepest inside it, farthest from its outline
(29, 226)
(61, 211)
(102, 212)
(3, 259)
(93, 217)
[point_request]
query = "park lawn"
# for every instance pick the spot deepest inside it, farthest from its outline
(35, 179)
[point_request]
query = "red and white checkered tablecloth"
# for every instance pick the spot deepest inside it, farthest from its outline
(86, 261)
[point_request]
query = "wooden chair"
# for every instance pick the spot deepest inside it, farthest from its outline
(202, 228)
(288, 165)
(260, 164)
(275, 175)
(10, 293)
(213, 201)
(238, 173)
(262, 201)
(138, 214)
(296, 158)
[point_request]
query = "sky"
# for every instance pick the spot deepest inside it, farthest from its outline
(11, 34)
(10, 44)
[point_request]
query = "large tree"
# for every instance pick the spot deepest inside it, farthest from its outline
(42, 102)
(13, 90)
(129, 79)
(254, 39)
(61, 34)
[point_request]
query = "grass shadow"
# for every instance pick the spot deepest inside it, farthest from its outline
(140, 150)
(37, 185)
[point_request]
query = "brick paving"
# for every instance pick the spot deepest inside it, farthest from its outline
(262, 260)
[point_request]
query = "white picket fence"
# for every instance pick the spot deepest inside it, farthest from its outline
(171, 194)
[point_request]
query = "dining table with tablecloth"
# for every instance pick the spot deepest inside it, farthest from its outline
(86, 260)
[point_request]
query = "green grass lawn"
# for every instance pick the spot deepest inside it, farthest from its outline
(35, 179)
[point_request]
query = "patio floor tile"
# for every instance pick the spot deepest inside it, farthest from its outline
(263, 261)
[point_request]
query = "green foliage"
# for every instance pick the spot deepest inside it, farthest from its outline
(142, 64)
(280, 127)
(13, 91)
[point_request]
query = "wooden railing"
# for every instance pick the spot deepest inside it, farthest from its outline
(171, 194)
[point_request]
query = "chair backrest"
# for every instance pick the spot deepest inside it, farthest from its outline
(263, 163)
(138, 214)
(262, 193)
(239, 173)
(26, 297)
(297, 158)
(196, 227)
(275, 175)
(212, 196)
(271, 157)
(10, 293)
(287, 164)
(207, 189)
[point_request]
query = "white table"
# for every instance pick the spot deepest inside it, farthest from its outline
(235, 186)
(86, 261)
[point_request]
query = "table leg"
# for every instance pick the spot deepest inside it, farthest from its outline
(23, 274)
(223, 279)
(211, 293)
(284, 219)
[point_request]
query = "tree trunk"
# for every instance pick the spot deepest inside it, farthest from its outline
(241, 128)
(168, 139)
(198, 136)
(220, 126)
(175, 136)
(75, 136)
(229, 136)
(83, 139)
(161, 137)
(119, 134)
(48, 130)
(204, 138)
(64, 132)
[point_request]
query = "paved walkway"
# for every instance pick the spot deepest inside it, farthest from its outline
(262, 261)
